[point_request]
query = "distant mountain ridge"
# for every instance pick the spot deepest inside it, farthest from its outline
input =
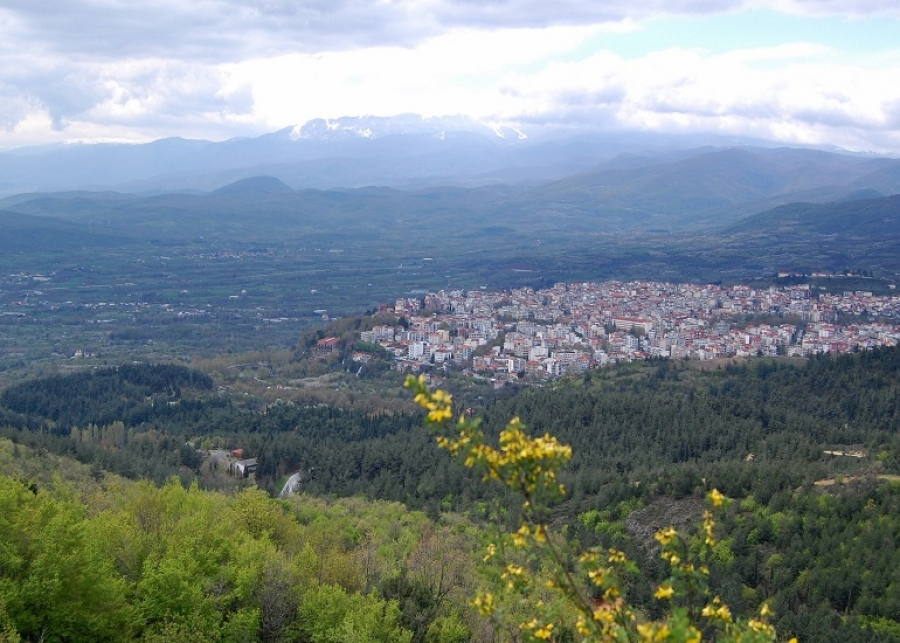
(24, 233)
(876, 218)
(372, 127)
(700, 190)
(716, 186)
(406, 151)
(452, 174)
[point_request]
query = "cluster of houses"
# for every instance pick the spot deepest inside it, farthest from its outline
(571, 328)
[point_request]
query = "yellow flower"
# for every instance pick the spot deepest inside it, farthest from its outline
(597, 576)
(708, 525)
(760, 626)
(717, 610)
(544, 632)
(666, 536)
(582, 627)
(520, 538)
(513, 570)
(440, 414)
(616, 556)
(664, 592)
(484, 603)
(716, 498)
(653, 631)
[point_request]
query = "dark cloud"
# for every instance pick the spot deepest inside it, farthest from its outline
(226, 30)
(66, 95)
(892, 115)
(829, 116)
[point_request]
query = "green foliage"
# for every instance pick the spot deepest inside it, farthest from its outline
(328, 614)
(139, 562)
(448, 629)
(8, 633)
(56, 580)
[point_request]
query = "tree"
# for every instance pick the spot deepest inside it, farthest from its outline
(56, 581)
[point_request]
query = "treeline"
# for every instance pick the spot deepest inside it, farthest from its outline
(102, 396)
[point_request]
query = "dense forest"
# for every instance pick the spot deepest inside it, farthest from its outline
(809, 450)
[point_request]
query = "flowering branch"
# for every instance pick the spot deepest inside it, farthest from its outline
(530, 467)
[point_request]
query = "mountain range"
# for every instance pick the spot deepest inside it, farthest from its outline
(452, 187)
(406, 151)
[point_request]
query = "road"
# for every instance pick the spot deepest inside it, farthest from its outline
(291, 486)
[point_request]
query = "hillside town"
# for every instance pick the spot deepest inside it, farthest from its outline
(572, 328)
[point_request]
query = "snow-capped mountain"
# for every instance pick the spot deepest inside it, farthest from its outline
(406, 151)
(373, 127)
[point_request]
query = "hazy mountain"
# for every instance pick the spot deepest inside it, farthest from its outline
(254, 185)
(671, 190)
(29, 234)
(877, 218)
(710, 187)
(402, 151)
(354, 151)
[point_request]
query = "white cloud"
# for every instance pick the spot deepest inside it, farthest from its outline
(452, 73)
(811, 99)
(848, 8)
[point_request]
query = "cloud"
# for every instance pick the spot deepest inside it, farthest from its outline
(136, 69)
(232, 30)
(219, 31)
(849, 8)
(810, 99)
(14, 108)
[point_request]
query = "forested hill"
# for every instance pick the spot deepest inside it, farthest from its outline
(871, 217)
(103, 396)
(763, 424)
(766, 421)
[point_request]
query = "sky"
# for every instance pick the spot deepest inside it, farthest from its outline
(823, 72)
